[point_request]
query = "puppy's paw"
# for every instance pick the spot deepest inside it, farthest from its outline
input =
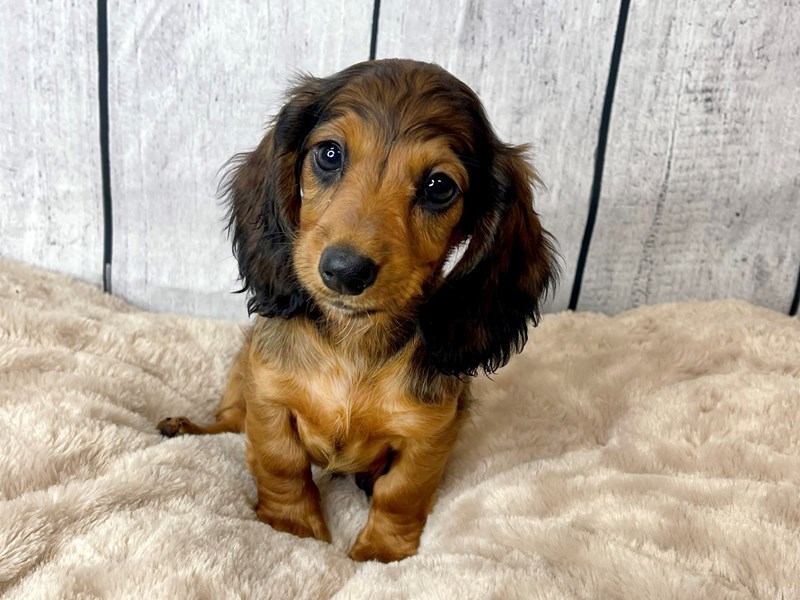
(384, 550)
(311, 525)
(174, 426)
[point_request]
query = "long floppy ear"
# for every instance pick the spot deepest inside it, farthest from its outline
(479, 317)
(263, 194)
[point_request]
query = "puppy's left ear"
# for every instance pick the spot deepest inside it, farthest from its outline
(479, 317)
(263, 195)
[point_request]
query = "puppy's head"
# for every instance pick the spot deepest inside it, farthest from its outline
(366, 183)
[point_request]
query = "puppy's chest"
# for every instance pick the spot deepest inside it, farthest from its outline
(348, 414)
(350, 408)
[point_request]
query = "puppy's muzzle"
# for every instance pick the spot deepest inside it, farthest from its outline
(345, 271)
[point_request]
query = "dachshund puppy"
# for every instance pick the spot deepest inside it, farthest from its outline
(360, 357)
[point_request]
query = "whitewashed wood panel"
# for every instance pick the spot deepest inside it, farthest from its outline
(701, 193)
(51, 209)
(193, 83)
(540, 68)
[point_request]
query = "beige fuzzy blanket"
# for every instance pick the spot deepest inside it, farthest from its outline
(655, 454)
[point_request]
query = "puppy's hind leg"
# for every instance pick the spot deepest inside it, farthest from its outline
(174, 426)
(232, 409)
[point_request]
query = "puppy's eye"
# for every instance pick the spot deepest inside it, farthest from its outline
(439, 190)
(328, 156)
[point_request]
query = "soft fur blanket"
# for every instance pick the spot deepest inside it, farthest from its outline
(655, 454)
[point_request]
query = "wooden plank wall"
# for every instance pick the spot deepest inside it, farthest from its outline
(51, 208)
(700, 191)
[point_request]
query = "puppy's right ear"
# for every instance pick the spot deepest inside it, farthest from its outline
(262, 191)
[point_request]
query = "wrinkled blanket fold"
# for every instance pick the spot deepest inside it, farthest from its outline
(655, 454)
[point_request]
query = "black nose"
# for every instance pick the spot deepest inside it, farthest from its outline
(346, 271)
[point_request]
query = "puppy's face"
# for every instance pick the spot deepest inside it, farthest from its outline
(364, 185)
(381, 201)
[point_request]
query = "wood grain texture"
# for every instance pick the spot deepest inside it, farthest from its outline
(51, 208)
(701, 193)
(540, 68)
(191, 85)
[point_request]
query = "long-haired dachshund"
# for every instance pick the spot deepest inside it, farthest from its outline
(360, 357)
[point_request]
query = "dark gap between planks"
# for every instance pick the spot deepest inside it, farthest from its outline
(105, 161)
(600, 153)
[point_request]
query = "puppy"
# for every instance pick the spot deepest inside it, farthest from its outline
(360, 356)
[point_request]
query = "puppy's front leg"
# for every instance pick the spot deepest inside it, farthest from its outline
(288, 499)
(402, 499)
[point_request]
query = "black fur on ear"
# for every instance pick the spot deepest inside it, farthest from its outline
(479, 317)
(263, 195)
